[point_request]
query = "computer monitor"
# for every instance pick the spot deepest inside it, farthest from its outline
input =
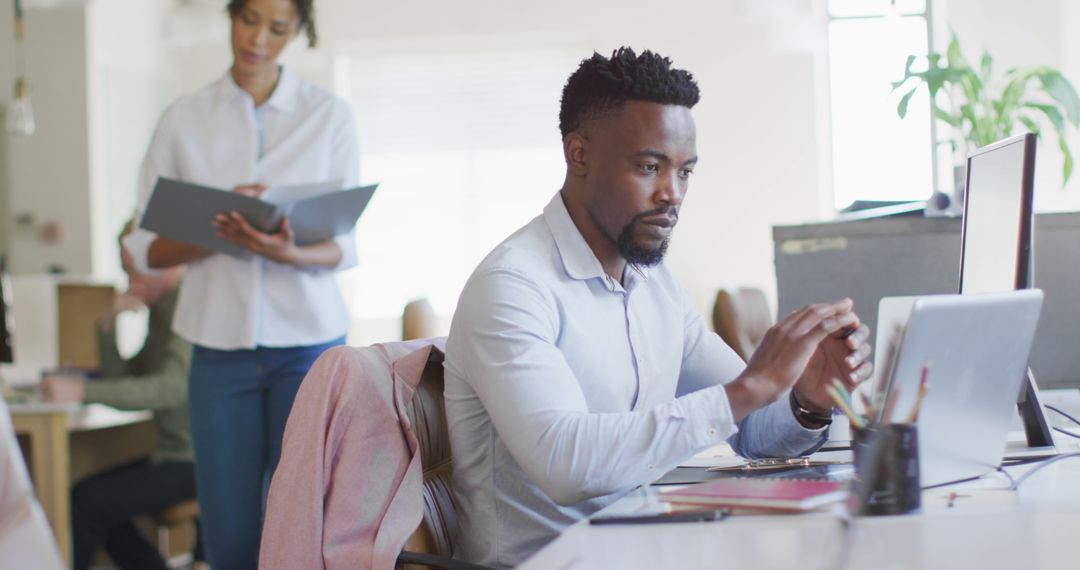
(996, 249)
(7, 353)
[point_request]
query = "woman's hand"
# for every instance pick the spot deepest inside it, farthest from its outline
(279, 246)
(253, 190)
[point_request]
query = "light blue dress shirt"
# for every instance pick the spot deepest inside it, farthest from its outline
(565, 390)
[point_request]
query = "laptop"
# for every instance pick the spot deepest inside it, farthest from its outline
(977, 346)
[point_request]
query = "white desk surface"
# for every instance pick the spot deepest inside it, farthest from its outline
(84, 417)
(989, 527)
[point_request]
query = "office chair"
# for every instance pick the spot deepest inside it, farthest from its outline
(365, 465)
(431, 545)
(418, 320)
(741, 318)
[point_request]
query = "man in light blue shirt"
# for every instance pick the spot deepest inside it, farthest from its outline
(577, 369)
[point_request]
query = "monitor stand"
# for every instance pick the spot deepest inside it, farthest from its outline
(1033, 414)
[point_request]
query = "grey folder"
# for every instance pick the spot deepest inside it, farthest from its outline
(185, 212)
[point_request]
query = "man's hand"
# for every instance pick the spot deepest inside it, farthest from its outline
(63, 389)
(279, 246)
(841, 356)
(785, 352)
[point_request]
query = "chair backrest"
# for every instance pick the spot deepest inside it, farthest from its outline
(742, 318)
(418, 320)
(427, 413)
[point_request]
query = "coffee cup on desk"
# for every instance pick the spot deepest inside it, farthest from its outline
(886, 470)
(63, 384)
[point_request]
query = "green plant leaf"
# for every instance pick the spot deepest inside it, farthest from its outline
(952, 120)
(901, 109)
(1068, 168)
(1062, 91)
(1014, 90)
(1052, 113)
(1058, 121)
(986, 66)
(1030, 124)
(956, 58)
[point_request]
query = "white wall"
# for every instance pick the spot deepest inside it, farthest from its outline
(48, 175)
(757, 129)
(761, 137)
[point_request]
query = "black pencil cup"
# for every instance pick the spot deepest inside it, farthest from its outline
(886, 470)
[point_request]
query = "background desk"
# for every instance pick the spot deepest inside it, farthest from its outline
(870, 259)
(63, 443)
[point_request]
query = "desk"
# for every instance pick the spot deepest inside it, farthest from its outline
(1037, 527)
(1034, 528)
(65, 442)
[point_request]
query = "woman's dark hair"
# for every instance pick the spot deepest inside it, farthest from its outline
(306, 9)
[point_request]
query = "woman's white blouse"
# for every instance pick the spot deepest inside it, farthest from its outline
(210, 138)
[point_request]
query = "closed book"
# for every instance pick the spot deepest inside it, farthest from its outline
(777, 494)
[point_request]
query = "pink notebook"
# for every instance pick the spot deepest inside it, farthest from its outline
(782, 494)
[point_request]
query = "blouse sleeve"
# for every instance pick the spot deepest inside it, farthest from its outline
(159, 161)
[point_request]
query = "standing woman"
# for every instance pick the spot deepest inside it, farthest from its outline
(258, 324)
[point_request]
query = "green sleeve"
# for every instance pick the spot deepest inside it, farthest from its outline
(165, 387)
(111, 363)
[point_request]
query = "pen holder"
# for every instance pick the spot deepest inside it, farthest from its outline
(886, 470)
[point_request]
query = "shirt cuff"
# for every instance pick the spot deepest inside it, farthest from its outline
(138, 245)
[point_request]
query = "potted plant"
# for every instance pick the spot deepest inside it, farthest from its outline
(984, 108)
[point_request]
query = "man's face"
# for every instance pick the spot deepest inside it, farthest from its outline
(639, 164)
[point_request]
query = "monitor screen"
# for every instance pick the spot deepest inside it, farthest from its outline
(996, 246)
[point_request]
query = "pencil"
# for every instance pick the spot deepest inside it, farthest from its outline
(923, 387)
(843, 391)
(890, 405)
(868, 406)
(843, 405)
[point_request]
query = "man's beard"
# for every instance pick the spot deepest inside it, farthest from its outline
(636, 254)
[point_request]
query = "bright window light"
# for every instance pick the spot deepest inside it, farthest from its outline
(466, 149)
(876, 155)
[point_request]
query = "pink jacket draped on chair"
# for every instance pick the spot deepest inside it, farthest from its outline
(347, 492)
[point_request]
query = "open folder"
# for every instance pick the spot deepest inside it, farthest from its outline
(316, 212)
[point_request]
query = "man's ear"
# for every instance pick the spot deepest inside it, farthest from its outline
(574, 152)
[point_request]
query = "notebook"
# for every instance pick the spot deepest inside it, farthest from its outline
(316, 212)
(775, 494)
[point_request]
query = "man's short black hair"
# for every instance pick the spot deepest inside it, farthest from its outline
(601, 85)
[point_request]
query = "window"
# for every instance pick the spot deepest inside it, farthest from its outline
(876, 155)
(465, 146)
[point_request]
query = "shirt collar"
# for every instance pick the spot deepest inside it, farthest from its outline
(282, 99)
(577, 257)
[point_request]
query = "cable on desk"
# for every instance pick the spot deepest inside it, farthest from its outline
(1066, 432)
(1033, 470)
(1053, 409)
(1012, 480)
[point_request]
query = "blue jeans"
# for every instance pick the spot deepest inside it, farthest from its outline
(239, 402)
